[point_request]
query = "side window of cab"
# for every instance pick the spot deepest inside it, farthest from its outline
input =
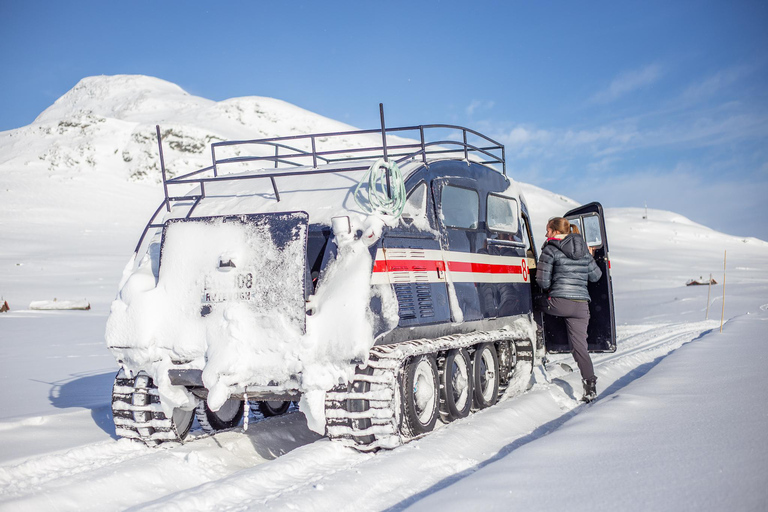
(503, 218)
(460, 207)
(415, 209)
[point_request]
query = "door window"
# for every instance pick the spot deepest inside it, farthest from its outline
(460, 207)
(592, 230)
(576, 221)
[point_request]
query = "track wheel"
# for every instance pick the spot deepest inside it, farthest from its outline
(420, 394)
(486, 376)
(456, 384)
(357, 405)
(137, 412)
(228, 415)
(145, 395)
(274, 408)
(182, 422)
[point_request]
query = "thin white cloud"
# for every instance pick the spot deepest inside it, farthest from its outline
(520, 136)
(698, 128)
(714, 83)
(523, 141)
(476, 105)
(628, 82)
(529, 141)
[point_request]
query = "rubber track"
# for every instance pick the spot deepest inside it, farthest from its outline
(202, 418)
(137, 412)
(378, 424)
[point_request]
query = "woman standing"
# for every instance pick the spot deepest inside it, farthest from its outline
(564, 269)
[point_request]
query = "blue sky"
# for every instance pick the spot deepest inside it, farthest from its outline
(627, 103)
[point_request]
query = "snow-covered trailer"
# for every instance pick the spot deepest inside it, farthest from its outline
(384, 283)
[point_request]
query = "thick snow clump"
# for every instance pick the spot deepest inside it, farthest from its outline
(229, 299)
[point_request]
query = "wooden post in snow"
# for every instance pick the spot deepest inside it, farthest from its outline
(722, 315)
(709, 291)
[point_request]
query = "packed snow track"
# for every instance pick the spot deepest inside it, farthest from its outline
(279, 464)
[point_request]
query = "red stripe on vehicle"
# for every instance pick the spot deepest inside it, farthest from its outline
(455, 266)
(380, 266)
(484, 268)
(407, 265)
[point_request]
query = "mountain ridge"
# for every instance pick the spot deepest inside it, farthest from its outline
(109, 121)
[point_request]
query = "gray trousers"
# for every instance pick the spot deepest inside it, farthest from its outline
(576, 315)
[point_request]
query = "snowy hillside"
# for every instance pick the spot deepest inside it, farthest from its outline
(680, 411)
(108, 123)
(85, 174)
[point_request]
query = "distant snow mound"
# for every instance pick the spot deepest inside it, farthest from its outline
(107, 124)
(119, 97)
(652, 215)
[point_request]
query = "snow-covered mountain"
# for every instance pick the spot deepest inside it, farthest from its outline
(77, 187)
(85, 174)
(108, 123)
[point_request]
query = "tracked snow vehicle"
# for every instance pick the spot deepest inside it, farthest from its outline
(384, 283)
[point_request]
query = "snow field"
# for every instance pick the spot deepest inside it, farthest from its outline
(683, 445)
(232, 471)
(117, 475)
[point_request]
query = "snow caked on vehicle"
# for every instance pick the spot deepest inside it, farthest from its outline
(384, 283)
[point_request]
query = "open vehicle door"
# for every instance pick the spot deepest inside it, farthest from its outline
(601, 335)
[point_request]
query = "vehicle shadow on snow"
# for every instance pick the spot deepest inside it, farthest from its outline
(87, 391)
(541, 431)
(275, 436)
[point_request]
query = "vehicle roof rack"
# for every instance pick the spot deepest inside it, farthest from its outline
(295, 161)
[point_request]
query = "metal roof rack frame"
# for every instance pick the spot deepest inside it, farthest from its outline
(487, 152)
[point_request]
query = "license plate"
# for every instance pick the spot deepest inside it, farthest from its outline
(229, 287)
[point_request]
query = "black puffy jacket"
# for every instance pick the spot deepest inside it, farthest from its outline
(565, 267)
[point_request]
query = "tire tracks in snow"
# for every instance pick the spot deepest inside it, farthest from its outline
(657, 338)
(123, 473)
(329, 479)
(19, 479)
(235, 470)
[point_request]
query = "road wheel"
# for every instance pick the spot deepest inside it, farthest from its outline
(274, 408)
(420, 394)
(456, 383)
(182, 422)
(228, 415)
(486, 376)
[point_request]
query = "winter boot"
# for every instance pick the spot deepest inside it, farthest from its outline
(590, 389)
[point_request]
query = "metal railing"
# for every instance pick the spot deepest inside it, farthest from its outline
(485, 151)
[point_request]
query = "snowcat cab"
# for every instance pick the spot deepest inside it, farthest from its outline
(385, 283)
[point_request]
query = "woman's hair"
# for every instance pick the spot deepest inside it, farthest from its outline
(561, 225)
